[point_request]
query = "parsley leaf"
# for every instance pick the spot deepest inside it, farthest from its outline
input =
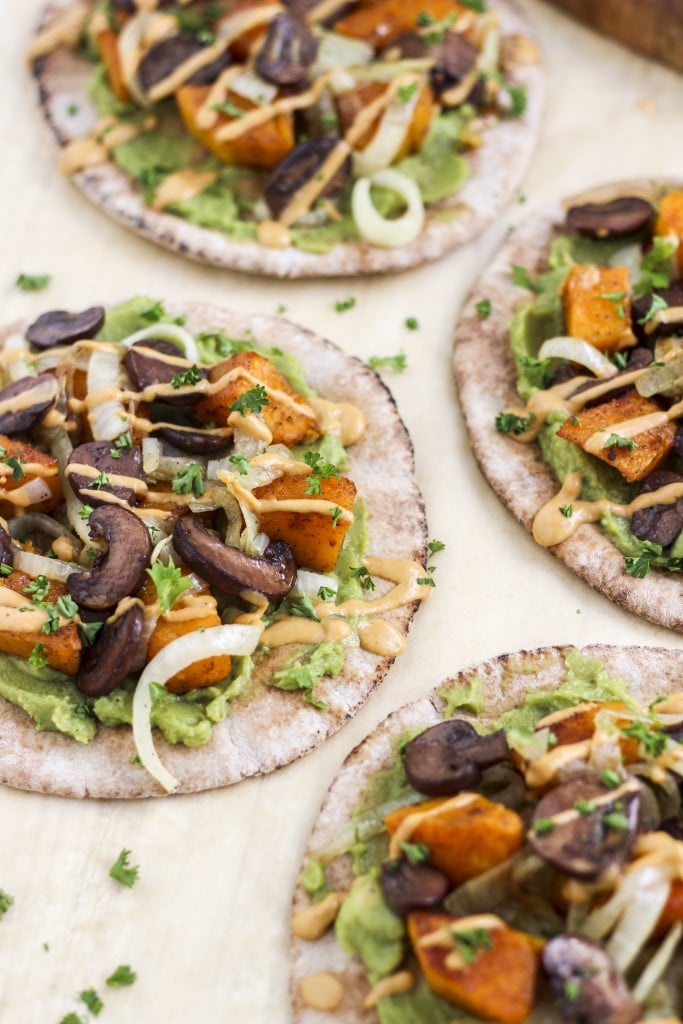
(405, 93)
(37, 589)
(229, 109)
(478, 6)
(187, 378)
(412, 323)
(240, 462)
(33, 282)
(616, 820)
(616, 441)
(396, 363)
(518, 97)
(336, 514)
(121, 976)
(655, 266)
(652, 742)
(470, 943)
(610, 778)
(124, 440)
(91, 999)
(656, 306)
(189, 480)
(121, 872)
(544, 826)
(85, 511)
(483, 308)
(363, 576)
(88, 631)
(169, 582)
(567, 511)
(38, 656)
(16, 465)
(343, 304)
(321, 471)
(522, 279)
(416, 853)
(326, 594)
(510, 423)
(154, 313)
(6, 902)
(435, 545)
(99, 482)
(618, 299)
(250, 401)
(301, 607)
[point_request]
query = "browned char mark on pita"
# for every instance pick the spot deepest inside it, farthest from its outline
(506, 680)
(486, 383)
(497, 170)
(267, 728)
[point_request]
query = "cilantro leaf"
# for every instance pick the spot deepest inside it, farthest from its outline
(121, 872)
(169, 582)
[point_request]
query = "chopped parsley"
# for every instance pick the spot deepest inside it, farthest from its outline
(6, 902)
(15, 464)
(214, 343)
(652, 742)
(250, 401)
(396, 363)
(405, 93)
(336, 514)
(518, 98)
(618, 299)
(616, 820)
(483, 308)
(38, 656)
(187, 378)
(122, 872)
(655, 266)
(37, 589)
(478, 6)
(572, 989)
(99, 482)
(189, 480)
(33, 282)
(240, 462)
(639, 566)
(51, 624)
(326, 594)
(435, 545)
(321, 471)
(229, 109)
(416, 853)
(5, 569)
(121, 976)
(412, 323)
(363, 576)
(301, 607)
(610, 778)
(169, 582)
(584, 806)
(71, 1018)
(91, 999)
(538, 372)
(425, 581)
(344, 304)
(154, 313)
(85, 511)
(616, 441)
(88, 631)
(522, 279)
(544, 826)
(656, 306)
(470, 943)
(567, 511)
(510, 423)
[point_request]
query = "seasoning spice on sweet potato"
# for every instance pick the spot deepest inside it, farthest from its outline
(670, 222)
(314, 537)
(352, 102)
(289, 418)
(477, 963)
(20, 464)
(465, 838)
(597, 306)
(382, 21)
(62, 648)
(640, 454)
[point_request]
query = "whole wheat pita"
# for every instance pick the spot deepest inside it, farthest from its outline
(497, 164)
(486, 381)
(265, 728)
(502, 683)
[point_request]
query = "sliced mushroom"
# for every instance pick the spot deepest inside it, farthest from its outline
(641, 305)
(581, 841)
(587, 984)
(98, 454)
(407, 46)
(162, 59)
(409, 886)
(39, 392)
(57, 327)
(618, 217)
(231, 570)
(6, 549)
(298, 167)
(454, 57)
(110, 659)
(145, 371)
(287, 52)
(449, 757)
(195, 442)
(660, 524)
(120, 571)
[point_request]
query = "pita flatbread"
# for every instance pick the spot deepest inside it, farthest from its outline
(486, 382)
(265, 728)
(497, 169)
(505, 681)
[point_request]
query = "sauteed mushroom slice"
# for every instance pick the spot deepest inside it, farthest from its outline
(162, 59)
(586, 982)
(120, 571)
(57, 327)
(298, 167)
(231, 570)
(621, 216)
(640, 308)
(108, 460)
(287, 52)
(41, 395)
(660, 524)
(6, 549)
(195, 442)
(449, 757)
(454, 57)
(110, 659)
(581, 827)
(409, 886)
(145, 371)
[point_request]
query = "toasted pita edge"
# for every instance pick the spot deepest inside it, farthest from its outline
(486, 384)
(497, 170)
(266, 728)
(506, 679)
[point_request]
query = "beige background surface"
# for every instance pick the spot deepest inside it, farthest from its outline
(206, 926)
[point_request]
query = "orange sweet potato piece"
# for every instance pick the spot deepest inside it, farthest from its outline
(201, 673)
(107, 44)
(312, 536)
(605, 323)
(499, 981)
(62, 648)
(578, 724)
(263, 146)
(353, 101)
(672, 910)
(465, 839)
(288, 415)
(382, 21)
(652, 446)
(34, 463)
(670, 222)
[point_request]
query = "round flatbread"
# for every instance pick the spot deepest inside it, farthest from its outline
(503, 683)
(265, 728)
(486, 381)
(496, 166)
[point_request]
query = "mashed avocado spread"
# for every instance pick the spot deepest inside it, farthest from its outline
(52, 699)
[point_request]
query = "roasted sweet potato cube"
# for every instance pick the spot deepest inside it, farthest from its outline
(20, 465)
(287, 415)
(62, 647)
(590, 314)
(353, 101)
(670, 222)
(639, 455)
(465, 838)
(262, 146)
(382, 21)
(108, 45)
(578, 724)
(201, 673)
(312, 535)
(490, 972)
